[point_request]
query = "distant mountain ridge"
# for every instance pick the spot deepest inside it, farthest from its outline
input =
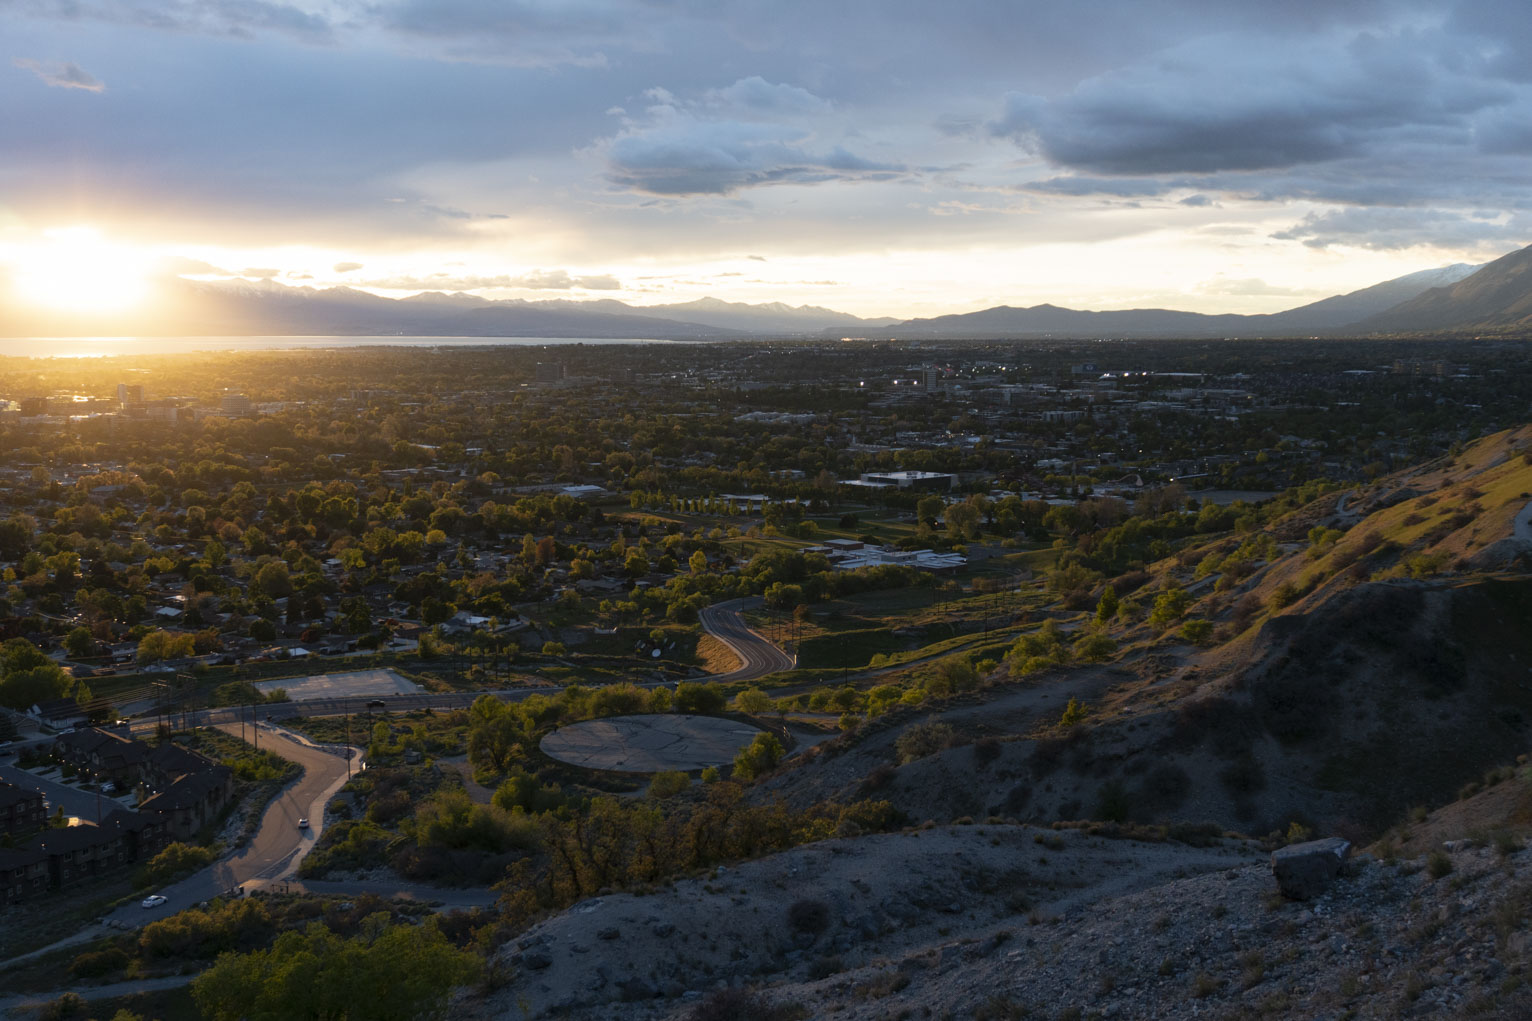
(1329, 316)
(1456, 298)
(1497, 298)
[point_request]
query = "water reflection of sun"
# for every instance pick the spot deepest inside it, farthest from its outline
(76, 270)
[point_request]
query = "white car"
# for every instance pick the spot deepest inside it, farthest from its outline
(303, 824)
(154, 900)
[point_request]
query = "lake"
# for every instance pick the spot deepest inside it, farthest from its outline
(105, 347)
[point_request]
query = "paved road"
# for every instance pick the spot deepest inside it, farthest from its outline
(356, 706)
(758, 657)
(25, 1004)
(277, 847)
(85, 805)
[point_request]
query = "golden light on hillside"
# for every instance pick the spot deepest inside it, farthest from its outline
(76, 270)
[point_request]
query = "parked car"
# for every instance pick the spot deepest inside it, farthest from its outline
(303, 824)
(377, 703)
(154, 900)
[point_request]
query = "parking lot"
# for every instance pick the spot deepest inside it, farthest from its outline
(350, 684)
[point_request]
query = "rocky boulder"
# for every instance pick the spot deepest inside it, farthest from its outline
(1303, 871)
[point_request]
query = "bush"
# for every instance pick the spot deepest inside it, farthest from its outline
(985, 751)
(668, 783)
(692, 697)
(96, 963)
(1243, 776)
(922, 739)
(1438, 864)
(174, 861)
(1198, 632)
(759, 758)
(743, 1004)
(1112, 802)
(811, 916)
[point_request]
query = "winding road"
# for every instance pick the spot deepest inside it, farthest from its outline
(758, 657)
(278, 845)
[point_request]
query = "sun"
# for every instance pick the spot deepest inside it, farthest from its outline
(76, 270)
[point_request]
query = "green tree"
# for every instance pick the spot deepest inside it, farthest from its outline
(160, 645)
(753, 701)
(1074, 713)
(1106, 608)
(761, 756)
(386, 973)
(494, 730)
(80, 643)
(1169, 606)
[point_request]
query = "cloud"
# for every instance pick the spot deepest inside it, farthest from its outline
(537, 280)
(242, 19)
(67, 75)
(346, 267)
(750, 134)
(181, 266)
(1249, 286)
(756, 97)
(260, 272)
(1240, 104)
(1395, 227)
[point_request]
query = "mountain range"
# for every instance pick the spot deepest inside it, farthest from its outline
(1494, 297)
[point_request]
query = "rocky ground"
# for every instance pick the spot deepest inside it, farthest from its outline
(993, 922)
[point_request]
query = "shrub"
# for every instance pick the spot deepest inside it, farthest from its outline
(1094, 648)
(985, 751)
(66, 1006)
(1169, 606)
(739, 1004)
(922, 739)
(1438, 864)
(760, 757)
(668, 783)
(811, 916)
(1198, 632)
(1074, 713)
(96, 963)
(175, 860)
(1112, 802)
(692, 697)
(1165, 786)
(1243, 776)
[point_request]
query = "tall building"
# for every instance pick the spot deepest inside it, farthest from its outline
(931, 379)
(129, 393)
(235, 405)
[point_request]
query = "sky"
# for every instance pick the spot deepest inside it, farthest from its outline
(881, 157)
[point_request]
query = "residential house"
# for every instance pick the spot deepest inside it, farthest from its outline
(59, 713)
(190, 802)
(103, 755)
(21, 811)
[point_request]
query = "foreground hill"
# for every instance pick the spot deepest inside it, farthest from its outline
(1349, 676)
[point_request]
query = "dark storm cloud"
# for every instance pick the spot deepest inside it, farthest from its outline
(1230, 105)
(748, 134)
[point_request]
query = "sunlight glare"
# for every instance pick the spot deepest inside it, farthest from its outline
(76, 270)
